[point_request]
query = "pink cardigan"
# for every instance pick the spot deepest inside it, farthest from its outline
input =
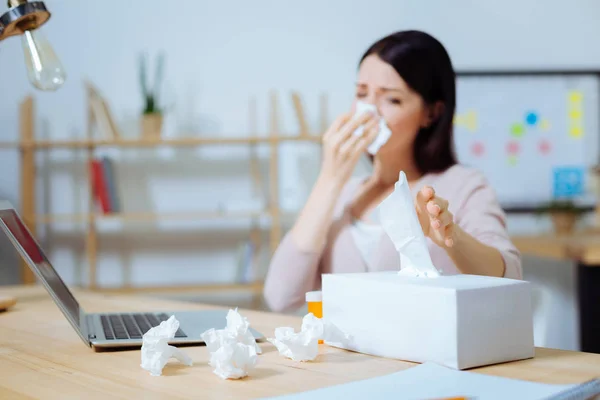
(473, 202)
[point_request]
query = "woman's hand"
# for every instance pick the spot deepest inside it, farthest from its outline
(342, 149)
(436, 221)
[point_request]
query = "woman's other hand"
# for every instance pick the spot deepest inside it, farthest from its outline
(342, 149)
(436, 221)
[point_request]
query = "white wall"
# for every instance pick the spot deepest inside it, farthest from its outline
(219, 54)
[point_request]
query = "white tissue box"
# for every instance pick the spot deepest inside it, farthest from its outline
(460, 321)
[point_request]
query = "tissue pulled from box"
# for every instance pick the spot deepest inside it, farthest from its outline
(156, 350)
(233, 350)
(384, 132)
(303, 345)
(399, 220)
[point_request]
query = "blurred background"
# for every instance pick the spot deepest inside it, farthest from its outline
(195, 178)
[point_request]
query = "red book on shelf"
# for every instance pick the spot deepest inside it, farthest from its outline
(100, 186)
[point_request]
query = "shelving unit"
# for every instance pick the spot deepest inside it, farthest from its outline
(28, 146)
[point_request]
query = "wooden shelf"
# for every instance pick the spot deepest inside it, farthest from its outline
(148, 216)
(172, 142)
(28, 144)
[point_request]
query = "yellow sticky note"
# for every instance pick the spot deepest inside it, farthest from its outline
(575, 97)
(545, 125)
(575, 114)
(576, 131)
(467, 120)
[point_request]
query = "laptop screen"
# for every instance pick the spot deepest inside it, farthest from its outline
(22, 238)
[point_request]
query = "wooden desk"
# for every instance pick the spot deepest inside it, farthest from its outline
(582, 248)
(41, 356)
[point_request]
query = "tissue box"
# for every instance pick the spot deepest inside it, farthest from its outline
(460, 321)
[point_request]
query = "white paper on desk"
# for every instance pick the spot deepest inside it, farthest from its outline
(432, 381)
(399, 220)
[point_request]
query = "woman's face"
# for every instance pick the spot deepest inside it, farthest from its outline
(403, 109)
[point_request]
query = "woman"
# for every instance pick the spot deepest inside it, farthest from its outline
(409, 77)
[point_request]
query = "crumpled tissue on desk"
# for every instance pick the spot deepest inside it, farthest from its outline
(233, 350)
(156, 350)
(303, 345)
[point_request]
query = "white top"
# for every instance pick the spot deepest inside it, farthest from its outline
(367, 235)
(315, 296)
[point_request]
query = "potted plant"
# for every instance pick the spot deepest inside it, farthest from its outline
(152, 114)
(564, 214)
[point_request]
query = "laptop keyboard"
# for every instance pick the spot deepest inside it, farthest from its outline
(132, 326)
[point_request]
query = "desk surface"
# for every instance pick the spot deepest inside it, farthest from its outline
(41, 356)
(582, 246)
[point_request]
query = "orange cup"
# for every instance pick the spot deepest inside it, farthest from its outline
(314, 302)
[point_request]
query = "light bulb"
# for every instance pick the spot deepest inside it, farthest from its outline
(43, 66)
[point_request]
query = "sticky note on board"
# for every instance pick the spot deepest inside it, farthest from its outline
(575, 96)
(531, 118)
(517, 130)
(513, 148)
(477, 149)
(575, 114)
(544, 147)
(545, 125)
(467, 120)
(568, 181)
(576, 132)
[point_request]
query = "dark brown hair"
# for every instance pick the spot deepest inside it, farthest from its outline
(425, 66)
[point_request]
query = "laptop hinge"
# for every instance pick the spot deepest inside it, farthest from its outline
(90, 327)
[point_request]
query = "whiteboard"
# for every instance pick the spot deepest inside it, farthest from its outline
(533, 136)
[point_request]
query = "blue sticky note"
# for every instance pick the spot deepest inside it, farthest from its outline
(531, 118)
(568, 181)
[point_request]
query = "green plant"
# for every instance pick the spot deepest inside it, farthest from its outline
(560, 206)
(151, 95)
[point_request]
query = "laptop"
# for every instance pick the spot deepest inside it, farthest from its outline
(104, 330)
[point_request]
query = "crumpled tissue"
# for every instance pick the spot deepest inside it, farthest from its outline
(156, 350)
(384, 132)
(334, 336)
(303, 345)
(233, 350)
(399, 220)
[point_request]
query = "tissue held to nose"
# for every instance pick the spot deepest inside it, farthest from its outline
(156, 350)
(400, 221)
(233, 350)
(384, 132)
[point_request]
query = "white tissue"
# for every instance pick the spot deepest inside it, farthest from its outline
(334, 336)
(233, 360)
(303, 345)
(384, 132)
(399, 219)
(156, 350)
(233, 350)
